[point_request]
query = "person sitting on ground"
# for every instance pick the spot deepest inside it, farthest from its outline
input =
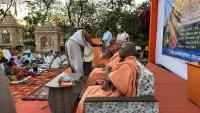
(63, 58)
(48, 57)
(8, 69)
(9, 72)
(37, 55)
(56, 61)
(97, 75)
(27, 56)
(18, 60)
(3, 63)
(12, 60)
(25, 71)
(114, 85)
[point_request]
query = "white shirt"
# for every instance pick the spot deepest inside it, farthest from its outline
(107, 36)
(6, 54)
(63, 58)
(78, 37)
(123, 36)
(2, 66)
(48, 59)
(56, 63)
(26, 57)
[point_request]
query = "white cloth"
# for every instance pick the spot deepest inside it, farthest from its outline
(123, 36)
(36, 56)
(138, 48)
(107, 36)
(48, 59)
(78, 38)
(88, 53)
(26, 57)
(6, 54)
(63, 58)
(55, 63)
(75, 56)
(2, 66)
(39, 56)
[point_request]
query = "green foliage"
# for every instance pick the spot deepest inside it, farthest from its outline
(75, 14)
(29, 42)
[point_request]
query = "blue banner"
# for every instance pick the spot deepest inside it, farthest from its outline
(181, 36)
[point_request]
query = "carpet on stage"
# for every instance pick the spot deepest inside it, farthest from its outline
(33, 85)
(39, 94)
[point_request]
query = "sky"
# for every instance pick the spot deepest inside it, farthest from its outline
(23, 10)
(140, 1)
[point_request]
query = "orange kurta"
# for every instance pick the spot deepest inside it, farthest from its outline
(97, 74)
(119, 87)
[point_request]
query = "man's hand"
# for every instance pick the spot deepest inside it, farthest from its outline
(105, 86)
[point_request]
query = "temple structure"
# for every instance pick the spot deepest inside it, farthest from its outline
(11, 33)
(48, 37)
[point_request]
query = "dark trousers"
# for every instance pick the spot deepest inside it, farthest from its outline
(87, 68)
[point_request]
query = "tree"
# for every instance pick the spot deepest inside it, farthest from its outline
(39, 13)
(5, 7)
(144, 21)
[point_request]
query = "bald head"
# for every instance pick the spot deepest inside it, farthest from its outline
(130, 47)
(127, 49)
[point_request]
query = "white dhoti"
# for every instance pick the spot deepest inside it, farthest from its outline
(75, 56)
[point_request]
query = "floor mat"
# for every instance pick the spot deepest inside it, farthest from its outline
(39, 94)
(22, 90)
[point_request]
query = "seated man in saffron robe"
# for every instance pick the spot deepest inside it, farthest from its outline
(111, 49)
(121, 81)
(97, 75)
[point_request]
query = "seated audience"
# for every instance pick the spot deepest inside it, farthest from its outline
(48, 57)
(18, 60)
(27, 56)
(63, 58)
(8, 69)
(56, 61)
(3, 63)
(37, 55)
(25, 71)
(12, 60)
(120, 81)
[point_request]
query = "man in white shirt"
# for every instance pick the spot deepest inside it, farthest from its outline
(28, 56)
(48, 58)
(36, 55)
(107, 36)
(123, 35)
(56, 61)
(63, 57)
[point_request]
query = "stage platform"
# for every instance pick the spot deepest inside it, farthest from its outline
(171, 92)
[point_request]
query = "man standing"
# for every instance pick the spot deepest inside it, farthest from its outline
(75, 48)
(107, 36)
(123, 35)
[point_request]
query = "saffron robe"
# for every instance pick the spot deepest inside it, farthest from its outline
(98, 74)
(119, 86)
